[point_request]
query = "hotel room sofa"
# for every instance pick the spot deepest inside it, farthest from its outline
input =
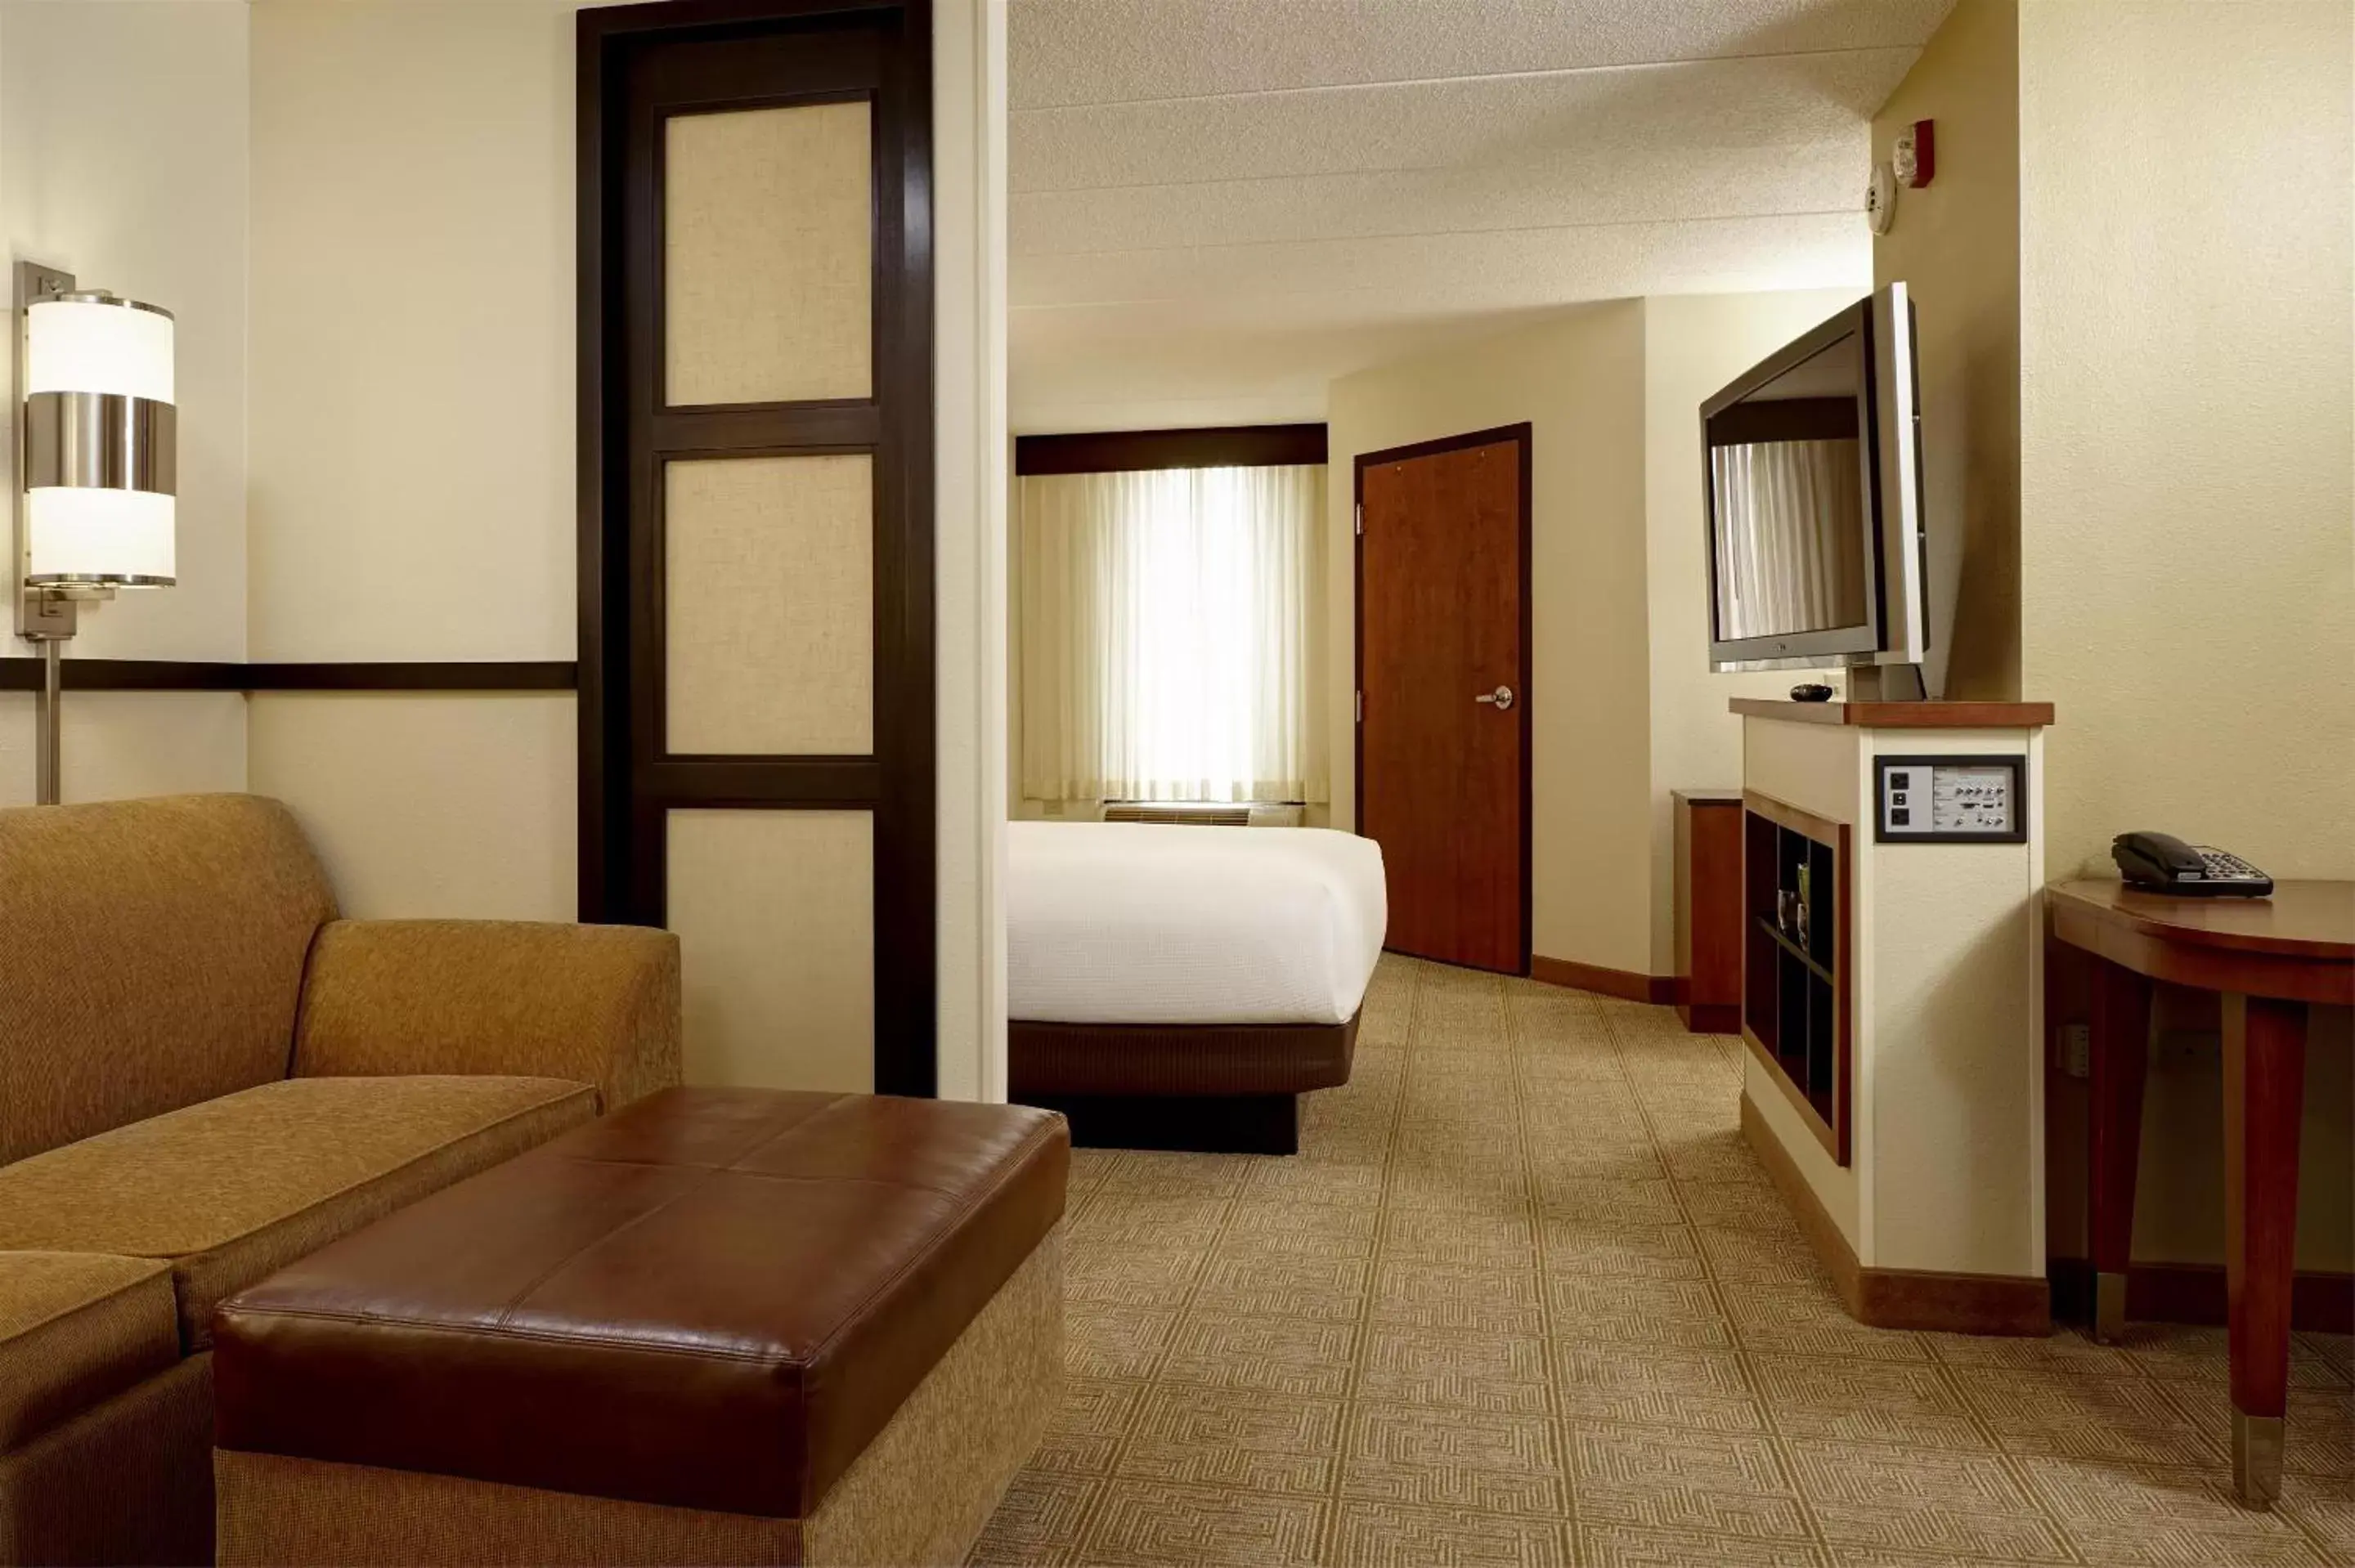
(205, 1076)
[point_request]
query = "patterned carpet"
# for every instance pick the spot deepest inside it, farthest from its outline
(1525, 1297)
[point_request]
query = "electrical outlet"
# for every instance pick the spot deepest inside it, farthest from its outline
(2077, 1050)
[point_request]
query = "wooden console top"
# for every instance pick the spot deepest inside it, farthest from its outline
(1901, 716)
(2312, 921)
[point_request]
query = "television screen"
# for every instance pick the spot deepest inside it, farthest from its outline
(1787, 500)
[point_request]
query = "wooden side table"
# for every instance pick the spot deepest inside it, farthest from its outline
(1709, 909)
(2269, 959)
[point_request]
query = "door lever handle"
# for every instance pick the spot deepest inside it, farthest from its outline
(1502, 696)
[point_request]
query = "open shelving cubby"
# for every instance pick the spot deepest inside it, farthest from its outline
(1794, 987)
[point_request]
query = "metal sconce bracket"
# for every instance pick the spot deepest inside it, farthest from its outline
(46, 617)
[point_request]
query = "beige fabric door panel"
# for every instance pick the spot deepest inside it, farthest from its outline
(768, 255)
(769, 605)
(775, 917)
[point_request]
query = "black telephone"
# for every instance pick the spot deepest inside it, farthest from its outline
(2166, 864)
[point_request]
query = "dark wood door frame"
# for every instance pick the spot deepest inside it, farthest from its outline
(1520, 434)
(762, 54)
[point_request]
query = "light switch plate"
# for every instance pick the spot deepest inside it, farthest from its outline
(2077, 1050)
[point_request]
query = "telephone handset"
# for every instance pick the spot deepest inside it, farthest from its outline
(2165, 863)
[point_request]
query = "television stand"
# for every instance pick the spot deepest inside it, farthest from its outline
(1893, 1000)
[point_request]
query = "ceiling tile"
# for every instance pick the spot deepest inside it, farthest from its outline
(1428, 272)
(1124, 51)
(1574, 190)
(1219, 205)
(1498, 122)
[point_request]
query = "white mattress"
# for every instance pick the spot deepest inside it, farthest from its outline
(1138, 923)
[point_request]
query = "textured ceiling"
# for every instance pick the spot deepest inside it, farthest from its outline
(1219, 206)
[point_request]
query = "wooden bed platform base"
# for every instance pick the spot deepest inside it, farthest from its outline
(1205, 1124)
(1215, 1089)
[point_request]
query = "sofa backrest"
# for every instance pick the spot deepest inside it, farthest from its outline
(151, 957)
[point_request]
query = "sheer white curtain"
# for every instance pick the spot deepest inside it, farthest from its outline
(1172, 631)
(1790, 549)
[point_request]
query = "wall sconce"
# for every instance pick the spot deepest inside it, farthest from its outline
(97, 446)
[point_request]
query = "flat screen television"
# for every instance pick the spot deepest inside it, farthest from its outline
(1813, 497)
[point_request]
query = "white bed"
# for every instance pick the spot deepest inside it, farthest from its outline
(1127, 923)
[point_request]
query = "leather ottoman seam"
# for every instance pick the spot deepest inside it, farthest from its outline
(1045, 1132)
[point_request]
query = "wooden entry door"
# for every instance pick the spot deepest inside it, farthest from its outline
(1444, 693)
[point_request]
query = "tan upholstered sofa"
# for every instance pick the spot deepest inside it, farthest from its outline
(204, 1075)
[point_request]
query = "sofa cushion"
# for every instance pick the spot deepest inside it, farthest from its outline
(75, 1329)
(154, 952)
(234, 1188)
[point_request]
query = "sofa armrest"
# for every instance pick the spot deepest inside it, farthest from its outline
(597, 1004)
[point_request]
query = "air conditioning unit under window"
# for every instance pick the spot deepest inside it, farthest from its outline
(1206, 814)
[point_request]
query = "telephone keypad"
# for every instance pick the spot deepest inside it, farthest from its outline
(2222, 868)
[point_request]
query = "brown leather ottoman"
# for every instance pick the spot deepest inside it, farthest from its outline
(720, 1326)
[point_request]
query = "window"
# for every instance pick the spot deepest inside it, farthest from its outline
(1172, 634)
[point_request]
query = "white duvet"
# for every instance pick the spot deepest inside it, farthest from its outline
(1138, 923)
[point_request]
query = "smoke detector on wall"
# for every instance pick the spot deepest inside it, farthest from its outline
(1880, 199)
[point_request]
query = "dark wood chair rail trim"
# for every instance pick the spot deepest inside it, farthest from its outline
(210, 675)
(1129, 451)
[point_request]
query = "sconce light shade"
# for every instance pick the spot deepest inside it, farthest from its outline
(118, 538)
(101, 437)
(94, 343)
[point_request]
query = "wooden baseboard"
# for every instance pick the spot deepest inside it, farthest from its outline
(1624, 984)
(1899, 1297)
(1710, 1017)
(2320, 1302)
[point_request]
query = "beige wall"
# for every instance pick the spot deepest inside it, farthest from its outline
(413, 395)
(424, 804)
(412, 450)
(118, 745)
(1956, 246)
(2187, 522)
(2187, 555)
(1694, 344)
(1623, 708)
(122, 135)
